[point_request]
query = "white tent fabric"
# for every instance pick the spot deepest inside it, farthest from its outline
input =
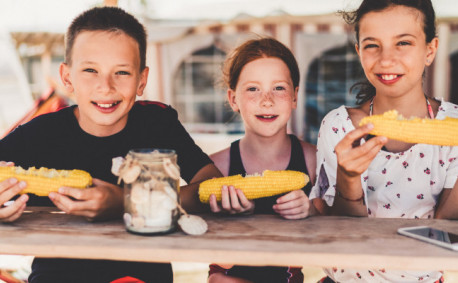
(56, 15)
(15, 94)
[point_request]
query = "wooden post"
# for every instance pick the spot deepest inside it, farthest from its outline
(112, 3)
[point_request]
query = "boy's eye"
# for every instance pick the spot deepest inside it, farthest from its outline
(89, 70)
(370, 46)
(122, 73)
(252, 89)
(279, 88)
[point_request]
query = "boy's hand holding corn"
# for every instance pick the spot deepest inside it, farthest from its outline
(101, 201)
(8, 189)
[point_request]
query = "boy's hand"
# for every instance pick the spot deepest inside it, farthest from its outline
(8, 189)
(294, 205)
(233, 201)
(103, 200)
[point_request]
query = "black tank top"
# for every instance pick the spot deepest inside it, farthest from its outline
(296, 162)
(269, 274)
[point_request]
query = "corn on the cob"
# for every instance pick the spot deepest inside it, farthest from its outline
(42, 181)
(270, 183)
(415, 130)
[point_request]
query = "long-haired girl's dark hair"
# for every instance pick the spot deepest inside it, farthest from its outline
(365, 90)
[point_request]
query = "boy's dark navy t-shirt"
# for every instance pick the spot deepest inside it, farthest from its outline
(55, 140)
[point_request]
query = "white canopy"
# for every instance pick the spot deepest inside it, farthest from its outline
(56, 15)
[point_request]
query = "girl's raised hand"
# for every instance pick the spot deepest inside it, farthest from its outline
(352, 158)
(8, 189)
(233, 201)
(294, 205)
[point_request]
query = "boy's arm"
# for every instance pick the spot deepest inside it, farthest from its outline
(189, 194)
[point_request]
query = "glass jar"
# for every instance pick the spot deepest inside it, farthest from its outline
(151, 191)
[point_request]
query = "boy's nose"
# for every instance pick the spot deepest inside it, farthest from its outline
(105, 84)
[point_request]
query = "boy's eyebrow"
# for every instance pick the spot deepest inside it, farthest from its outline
(118, 65)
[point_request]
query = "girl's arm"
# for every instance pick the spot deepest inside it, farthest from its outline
(352, 161)
(233, 201)
(447, 207)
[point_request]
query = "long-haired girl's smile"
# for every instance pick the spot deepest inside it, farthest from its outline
(389, 78)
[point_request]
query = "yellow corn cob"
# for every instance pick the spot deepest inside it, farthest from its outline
(415, 130)
(268, 184)
(43, 181)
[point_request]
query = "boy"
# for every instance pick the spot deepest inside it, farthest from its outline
(105, 69)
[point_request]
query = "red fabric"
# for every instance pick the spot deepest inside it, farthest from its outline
(214, 268)
(127, 279)
(48, 102)
(145, 102)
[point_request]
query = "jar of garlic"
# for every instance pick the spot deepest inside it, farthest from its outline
(151, 191)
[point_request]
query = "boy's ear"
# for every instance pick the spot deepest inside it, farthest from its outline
(432, 50)
(232, 100)
(143, 81)
(64, 71)
(357, 48)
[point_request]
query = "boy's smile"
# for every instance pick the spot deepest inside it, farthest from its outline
(105, 77)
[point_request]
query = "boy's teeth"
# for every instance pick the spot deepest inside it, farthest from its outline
(106, 105)
(389, 77)
(267, 117)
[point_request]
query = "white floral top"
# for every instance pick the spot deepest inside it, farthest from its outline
(405, 184)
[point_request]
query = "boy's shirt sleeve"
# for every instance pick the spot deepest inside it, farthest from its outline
(191, 157)
(12, 146)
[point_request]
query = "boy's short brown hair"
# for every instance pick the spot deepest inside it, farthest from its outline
(110, 19)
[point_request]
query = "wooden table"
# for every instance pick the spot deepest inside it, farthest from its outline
(249, 240)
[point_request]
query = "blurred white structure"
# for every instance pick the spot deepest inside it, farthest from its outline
(15, 95)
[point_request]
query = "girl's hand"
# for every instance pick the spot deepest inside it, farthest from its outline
(103, 200)
(233, 201)
(8, 189)
(294, 205)
(352, 158)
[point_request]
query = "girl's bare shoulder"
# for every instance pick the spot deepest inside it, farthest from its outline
(222, 160)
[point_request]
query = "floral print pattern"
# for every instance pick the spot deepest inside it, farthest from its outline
(405, 184)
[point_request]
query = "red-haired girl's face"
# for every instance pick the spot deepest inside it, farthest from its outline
(264, 96)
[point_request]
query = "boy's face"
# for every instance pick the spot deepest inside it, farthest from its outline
(105, 77)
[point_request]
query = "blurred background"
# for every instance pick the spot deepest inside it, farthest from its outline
(187, 44)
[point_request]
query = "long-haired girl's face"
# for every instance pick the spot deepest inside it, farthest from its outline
(393, 50)
(264, 95)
